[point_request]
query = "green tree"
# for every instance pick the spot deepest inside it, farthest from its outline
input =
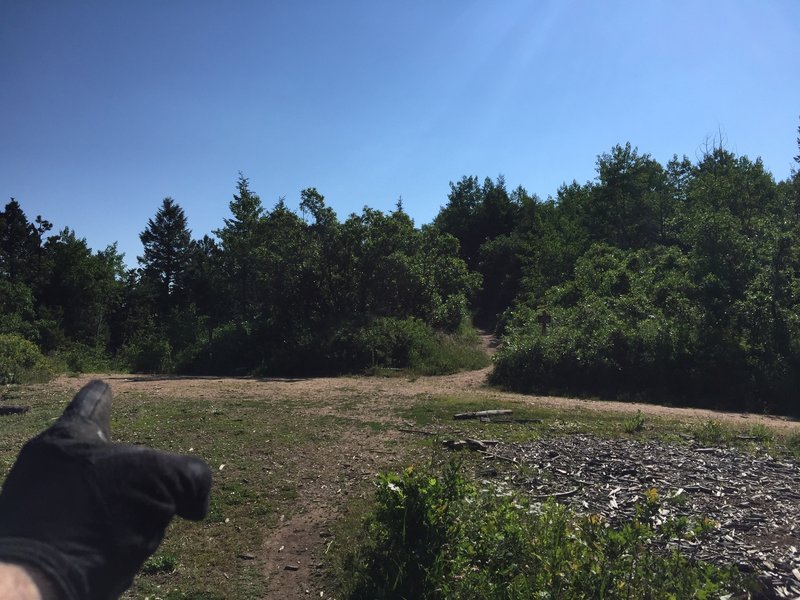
(19, 243)
(240, 240)
(628, 207)
(166, 241)
(82, 292)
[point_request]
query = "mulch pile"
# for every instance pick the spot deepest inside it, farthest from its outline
(755, 499)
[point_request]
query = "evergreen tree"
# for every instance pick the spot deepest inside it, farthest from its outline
(19, 243)
(166, 242)
(240, 240)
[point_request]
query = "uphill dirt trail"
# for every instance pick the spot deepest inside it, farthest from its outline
(327, 475)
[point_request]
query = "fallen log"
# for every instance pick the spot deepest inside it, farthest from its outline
(480, 445)
(482, 413)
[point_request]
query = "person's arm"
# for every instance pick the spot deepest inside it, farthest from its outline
(24, 583)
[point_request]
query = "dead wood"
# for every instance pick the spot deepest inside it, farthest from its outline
(754, 498)
(482, 413)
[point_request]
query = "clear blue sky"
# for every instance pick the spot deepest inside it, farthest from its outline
(106, 107)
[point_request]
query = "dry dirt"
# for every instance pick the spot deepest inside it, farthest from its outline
(293, 554)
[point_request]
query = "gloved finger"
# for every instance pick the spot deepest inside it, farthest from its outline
(172, 483)
(91, 406)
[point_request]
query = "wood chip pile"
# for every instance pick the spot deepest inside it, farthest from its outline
(755, 499)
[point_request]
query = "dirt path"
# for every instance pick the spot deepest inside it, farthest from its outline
(293, 555)
(388, 391)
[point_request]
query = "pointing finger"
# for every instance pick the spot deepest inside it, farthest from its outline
(91, 404)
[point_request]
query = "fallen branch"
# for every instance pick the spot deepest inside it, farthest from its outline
(479, 445)
(488, 455)
(566, 494)
(482, 413)
(511, 420)
(419, 431)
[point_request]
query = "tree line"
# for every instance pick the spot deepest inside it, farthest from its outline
(270, 292)
(679, 280)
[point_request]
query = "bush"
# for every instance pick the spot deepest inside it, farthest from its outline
(435, 535)
(21, 361)
(148, 353)
(413, 345)
(80, 358)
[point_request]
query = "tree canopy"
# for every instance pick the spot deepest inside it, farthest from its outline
(679, 281)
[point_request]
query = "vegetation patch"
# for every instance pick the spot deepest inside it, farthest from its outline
(21, 361)
(434, 534)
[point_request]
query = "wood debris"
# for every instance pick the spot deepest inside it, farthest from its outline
(754, 500)
(481, 414)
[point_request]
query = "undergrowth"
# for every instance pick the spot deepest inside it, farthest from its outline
(434, 535)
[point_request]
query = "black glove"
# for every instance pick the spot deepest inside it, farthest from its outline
(87, 513)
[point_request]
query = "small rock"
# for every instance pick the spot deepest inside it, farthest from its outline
(291, 568)
(247, 556)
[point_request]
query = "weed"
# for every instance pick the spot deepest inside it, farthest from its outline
(793, 445)
(634, 424)
(761, 433)
(712, 432)
(160, 563)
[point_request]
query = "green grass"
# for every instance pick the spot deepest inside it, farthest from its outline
(436, 413)
(262, 440)
(257, 440)
(634, 424)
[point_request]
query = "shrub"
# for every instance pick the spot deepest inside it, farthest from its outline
(80, 358)
(21, 361)
(634, 423)
(413, 345)
(160, 563)
(148, 353)
(436, 535)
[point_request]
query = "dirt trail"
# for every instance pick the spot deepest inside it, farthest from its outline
(294, 554)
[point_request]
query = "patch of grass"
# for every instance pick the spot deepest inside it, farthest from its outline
(793, 445)
(21, 361)
(761, 433)
(160, 563)
(634, 424)
(712, 432)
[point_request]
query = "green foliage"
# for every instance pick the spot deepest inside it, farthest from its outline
(80, 358)
(678, 282)
(21, 361)
(148, 352)
(412, 345)
(166, 242)
(711, 432)
(761, 433)
(793, 444)
(634, 424)
(436, 535)
(163, 562)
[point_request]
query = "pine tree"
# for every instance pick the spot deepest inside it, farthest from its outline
(166, 242)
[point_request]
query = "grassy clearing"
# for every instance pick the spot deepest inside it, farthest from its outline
(253, 446)
(436, 412)
(262, 447)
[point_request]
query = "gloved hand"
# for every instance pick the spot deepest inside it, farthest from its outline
(87, 513)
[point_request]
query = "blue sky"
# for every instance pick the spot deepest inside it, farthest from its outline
(107, 107)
